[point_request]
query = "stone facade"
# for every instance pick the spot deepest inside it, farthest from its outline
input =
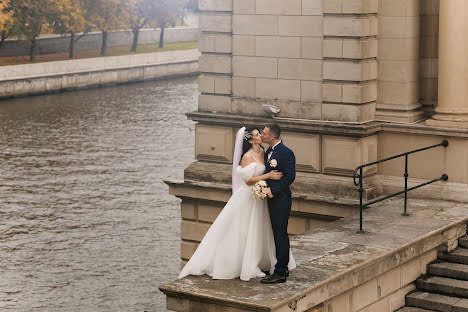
(355, 81)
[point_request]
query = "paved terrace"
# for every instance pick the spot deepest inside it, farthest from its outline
(339, 269)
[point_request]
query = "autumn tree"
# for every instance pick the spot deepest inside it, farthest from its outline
(5, 13)
(68, 17)
(165, 13)
(106, 16)
(137, 14)
(6, 19)
(30, 16)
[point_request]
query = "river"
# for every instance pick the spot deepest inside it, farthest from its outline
(86, 222)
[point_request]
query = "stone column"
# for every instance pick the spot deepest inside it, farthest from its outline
(215, 45)
(349, 88)
(429, 56)
(452, 109)
(399, 29)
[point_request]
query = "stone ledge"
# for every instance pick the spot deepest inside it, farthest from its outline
(335, 259)
(334, 189)
(351, 129)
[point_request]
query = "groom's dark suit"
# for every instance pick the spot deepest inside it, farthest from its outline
(280, 205)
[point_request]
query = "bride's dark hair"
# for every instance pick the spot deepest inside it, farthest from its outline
(246, 145)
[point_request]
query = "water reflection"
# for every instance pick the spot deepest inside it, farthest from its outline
(86, 223)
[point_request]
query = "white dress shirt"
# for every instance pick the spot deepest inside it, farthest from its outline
(272, 149)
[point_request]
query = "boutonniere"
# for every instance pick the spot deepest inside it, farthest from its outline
(273, 163)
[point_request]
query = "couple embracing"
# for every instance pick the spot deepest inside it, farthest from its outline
(249, 238)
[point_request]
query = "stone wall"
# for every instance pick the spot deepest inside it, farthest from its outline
(339, 269)
(398, 74)
(39, 78)
(354, 80)
(92, 41)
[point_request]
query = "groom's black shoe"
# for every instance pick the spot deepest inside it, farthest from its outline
(268, 273)
(275, 278)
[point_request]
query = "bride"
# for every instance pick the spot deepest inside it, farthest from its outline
(240, 241)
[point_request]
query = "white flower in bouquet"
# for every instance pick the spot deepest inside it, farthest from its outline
(259, 190)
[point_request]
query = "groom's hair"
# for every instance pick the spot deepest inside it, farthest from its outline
(275, 129)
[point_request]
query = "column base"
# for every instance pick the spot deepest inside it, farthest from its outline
(447, 123)
(399, 116)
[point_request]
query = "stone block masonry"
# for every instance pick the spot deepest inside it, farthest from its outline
(338, 269)
(350, 60)
(398, 89)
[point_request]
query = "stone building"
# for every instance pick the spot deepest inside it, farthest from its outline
(355, 80)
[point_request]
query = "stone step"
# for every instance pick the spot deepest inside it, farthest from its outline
(435, 302)
(449, 269)
(413, 309)
(463, 241)
(443, 285)
(459, 255)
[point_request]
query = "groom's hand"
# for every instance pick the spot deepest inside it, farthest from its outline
(269, 194)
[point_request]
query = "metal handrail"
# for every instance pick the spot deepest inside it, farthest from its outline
(359, 183)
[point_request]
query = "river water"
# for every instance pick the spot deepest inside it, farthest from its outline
(86, 222)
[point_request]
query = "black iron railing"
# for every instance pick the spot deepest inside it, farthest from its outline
(359, 176)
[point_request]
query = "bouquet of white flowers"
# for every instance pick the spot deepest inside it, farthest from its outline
(259, 190)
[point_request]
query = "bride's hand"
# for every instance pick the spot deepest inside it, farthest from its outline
(275, 175)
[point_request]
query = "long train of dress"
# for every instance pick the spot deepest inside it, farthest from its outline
(240, 241)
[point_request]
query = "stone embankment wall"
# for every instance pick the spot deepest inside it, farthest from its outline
(92, 41)
(39, 78)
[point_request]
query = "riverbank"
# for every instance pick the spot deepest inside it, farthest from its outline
(113, 51)
(47, 44)
(50, 77)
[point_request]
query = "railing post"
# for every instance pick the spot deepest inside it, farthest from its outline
(361, 194)
(406, 187)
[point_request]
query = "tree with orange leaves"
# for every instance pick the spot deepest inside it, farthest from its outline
(30, 17)
(106, 15)
(5, 14)
(68, 17)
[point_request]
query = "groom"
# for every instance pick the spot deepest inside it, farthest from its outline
(279, 157)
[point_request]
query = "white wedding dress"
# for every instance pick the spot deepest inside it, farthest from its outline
(240, 241)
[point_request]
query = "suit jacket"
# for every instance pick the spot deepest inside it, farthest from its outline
(286, 163)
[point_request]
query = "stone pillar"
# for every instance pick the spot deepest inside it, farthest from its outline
(452, 109)
(350, 65)
(215, 44)
(429, 54)
(399, 29)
